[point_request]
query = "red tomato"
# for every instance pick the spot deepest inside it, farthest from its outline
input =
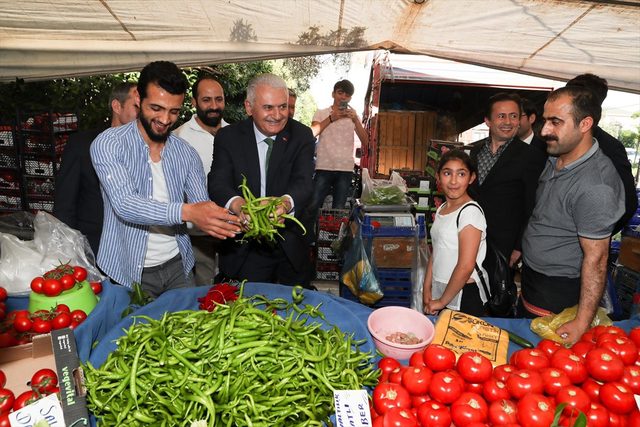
(79, 273)
(52, 287)
(631, 377)
(494, 390)
(7, 340)
(535, 410)
(603, 365)
(548, 347)
(20, 313)
(592, 388)
(417, 360)
(530, 358)
(37, 285)
(575, 398)
(553, 380)
(41, 326)
(502, 412)
(388, 364)
(6, 400)
(574, 366)
(416, 401)
(524, 382)
(503, 372)
(439, 358)
(399, 417)
(416, 380)
(96, 287)
(434, 414)
(617, 398)
(44, 380)
(22, 324)
(617, 420)
(581, 348)
(633, 418)
(24, 399)
(74, 324)
(634, 335)
(474, 367)
(623, 347)
(3, 294)
(78, 316)
(67, 281)
(378, 422)
(395, 376)
(390, 395)
(474, 387)
(445, 388)
(3, 380)
(469, 408)
(62, 320)
(597, 415)
(4, 420)
(62, 308)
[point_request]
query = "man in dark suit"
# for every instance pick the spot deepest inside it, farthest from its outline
(611, 147)
(283, 170)
(526, 133)
(78, 201)
(508, 171)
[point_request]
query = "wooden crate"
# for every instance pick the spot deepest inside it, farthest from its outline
(403, 139)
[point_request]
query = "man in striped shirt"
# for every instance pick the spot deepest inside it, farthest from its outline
(146, 174)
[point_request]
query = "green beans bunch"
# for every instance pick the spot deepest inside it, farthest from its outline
(264, 221)
(240, 365)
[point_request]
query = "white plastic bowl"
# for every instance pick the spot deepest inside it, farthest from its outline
(387, 320)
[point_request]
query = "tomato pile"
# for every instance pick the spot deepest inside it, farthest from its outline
(3, 304)
(60, 279)
(43, 382)
(20, 326)
(594, 381)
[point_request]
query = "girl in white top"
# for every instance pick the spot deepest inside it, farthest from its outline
(451, 280)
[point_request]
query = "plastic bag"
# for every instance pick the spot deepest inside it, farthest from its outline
(53, 243)
(546, 326)
(383, 191)
(418, 271)
(358, 272)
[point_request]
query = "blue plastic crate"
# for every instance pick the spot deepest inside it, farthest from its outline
(369, 231)
(625, 292)
(395, 284)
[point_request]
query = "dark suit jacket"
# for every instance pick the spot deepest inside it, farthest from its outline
(508, 193)
(78, 201)
(615, 151)
(290, 172)
(540, 144)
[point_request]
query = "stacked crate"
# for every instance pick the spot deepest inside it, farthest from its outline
(394, 252)
(328, 263)
(10, 177)
(43, 138)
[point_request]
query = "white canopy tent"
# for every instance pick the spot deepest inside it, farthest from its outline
(43, 39)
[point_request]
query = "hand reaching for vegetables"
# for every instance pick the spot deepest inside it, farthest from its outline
(212, 219)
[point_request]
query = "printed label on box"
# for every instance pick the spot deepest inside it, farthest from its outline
(423, 201)
(48, 409)
(352, 408)
(424, 184)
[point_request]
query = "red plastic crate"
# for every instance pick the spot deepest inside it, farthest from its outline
(39, 167)
(330, 219)
(40, 187)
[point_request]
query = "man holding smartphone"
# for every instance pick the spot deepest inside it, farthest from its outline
(336, 128)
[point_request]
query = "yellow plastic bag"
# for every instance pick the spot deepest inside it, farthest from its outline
(546, 326)
(462, 332)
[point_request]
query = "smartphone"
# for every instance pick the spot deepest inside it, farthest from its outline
(343, 105)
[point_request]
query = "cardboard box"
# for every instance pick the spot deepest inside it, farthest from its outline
(394, 252)
(630, 253)
(55, 351)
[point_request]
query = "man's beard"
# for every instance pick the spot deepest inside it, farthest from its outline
(203, 115)
(155, 137)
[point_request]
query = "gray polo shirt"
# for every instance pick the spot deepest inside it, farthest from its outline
(583, 199)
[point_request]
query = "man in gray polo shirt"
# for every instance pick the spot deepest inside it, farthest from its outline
(578, 201)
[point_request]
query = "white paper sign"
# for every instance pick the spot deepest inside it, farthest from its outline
(48, 408)
(352, 408)
(424, 184)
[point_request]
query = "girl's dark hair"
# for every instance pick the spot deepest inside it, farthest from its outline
(457, 155)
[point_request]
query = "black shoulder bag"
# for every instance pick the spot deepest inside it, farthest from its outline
(502, 292)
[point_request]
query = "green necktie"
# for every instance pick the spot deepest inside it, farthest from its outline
(269, 142)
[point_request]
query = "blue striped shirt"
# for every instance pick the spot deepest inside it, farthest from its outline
(121, 159)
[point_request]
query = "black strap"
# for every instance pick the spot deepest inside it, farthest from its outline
(477, 268)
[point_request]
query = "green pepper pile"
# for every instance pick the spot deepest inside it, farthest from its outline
(264, 222)
(241, 365)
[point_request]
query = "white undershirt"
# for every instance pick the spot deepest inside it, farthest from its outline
(162, 244)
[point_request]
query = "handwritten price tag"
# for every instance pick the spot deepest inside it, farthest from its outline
(47, 409)
(352, 408)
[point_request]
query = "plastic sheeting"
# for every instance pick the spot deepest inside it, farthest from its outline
(41, 39)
